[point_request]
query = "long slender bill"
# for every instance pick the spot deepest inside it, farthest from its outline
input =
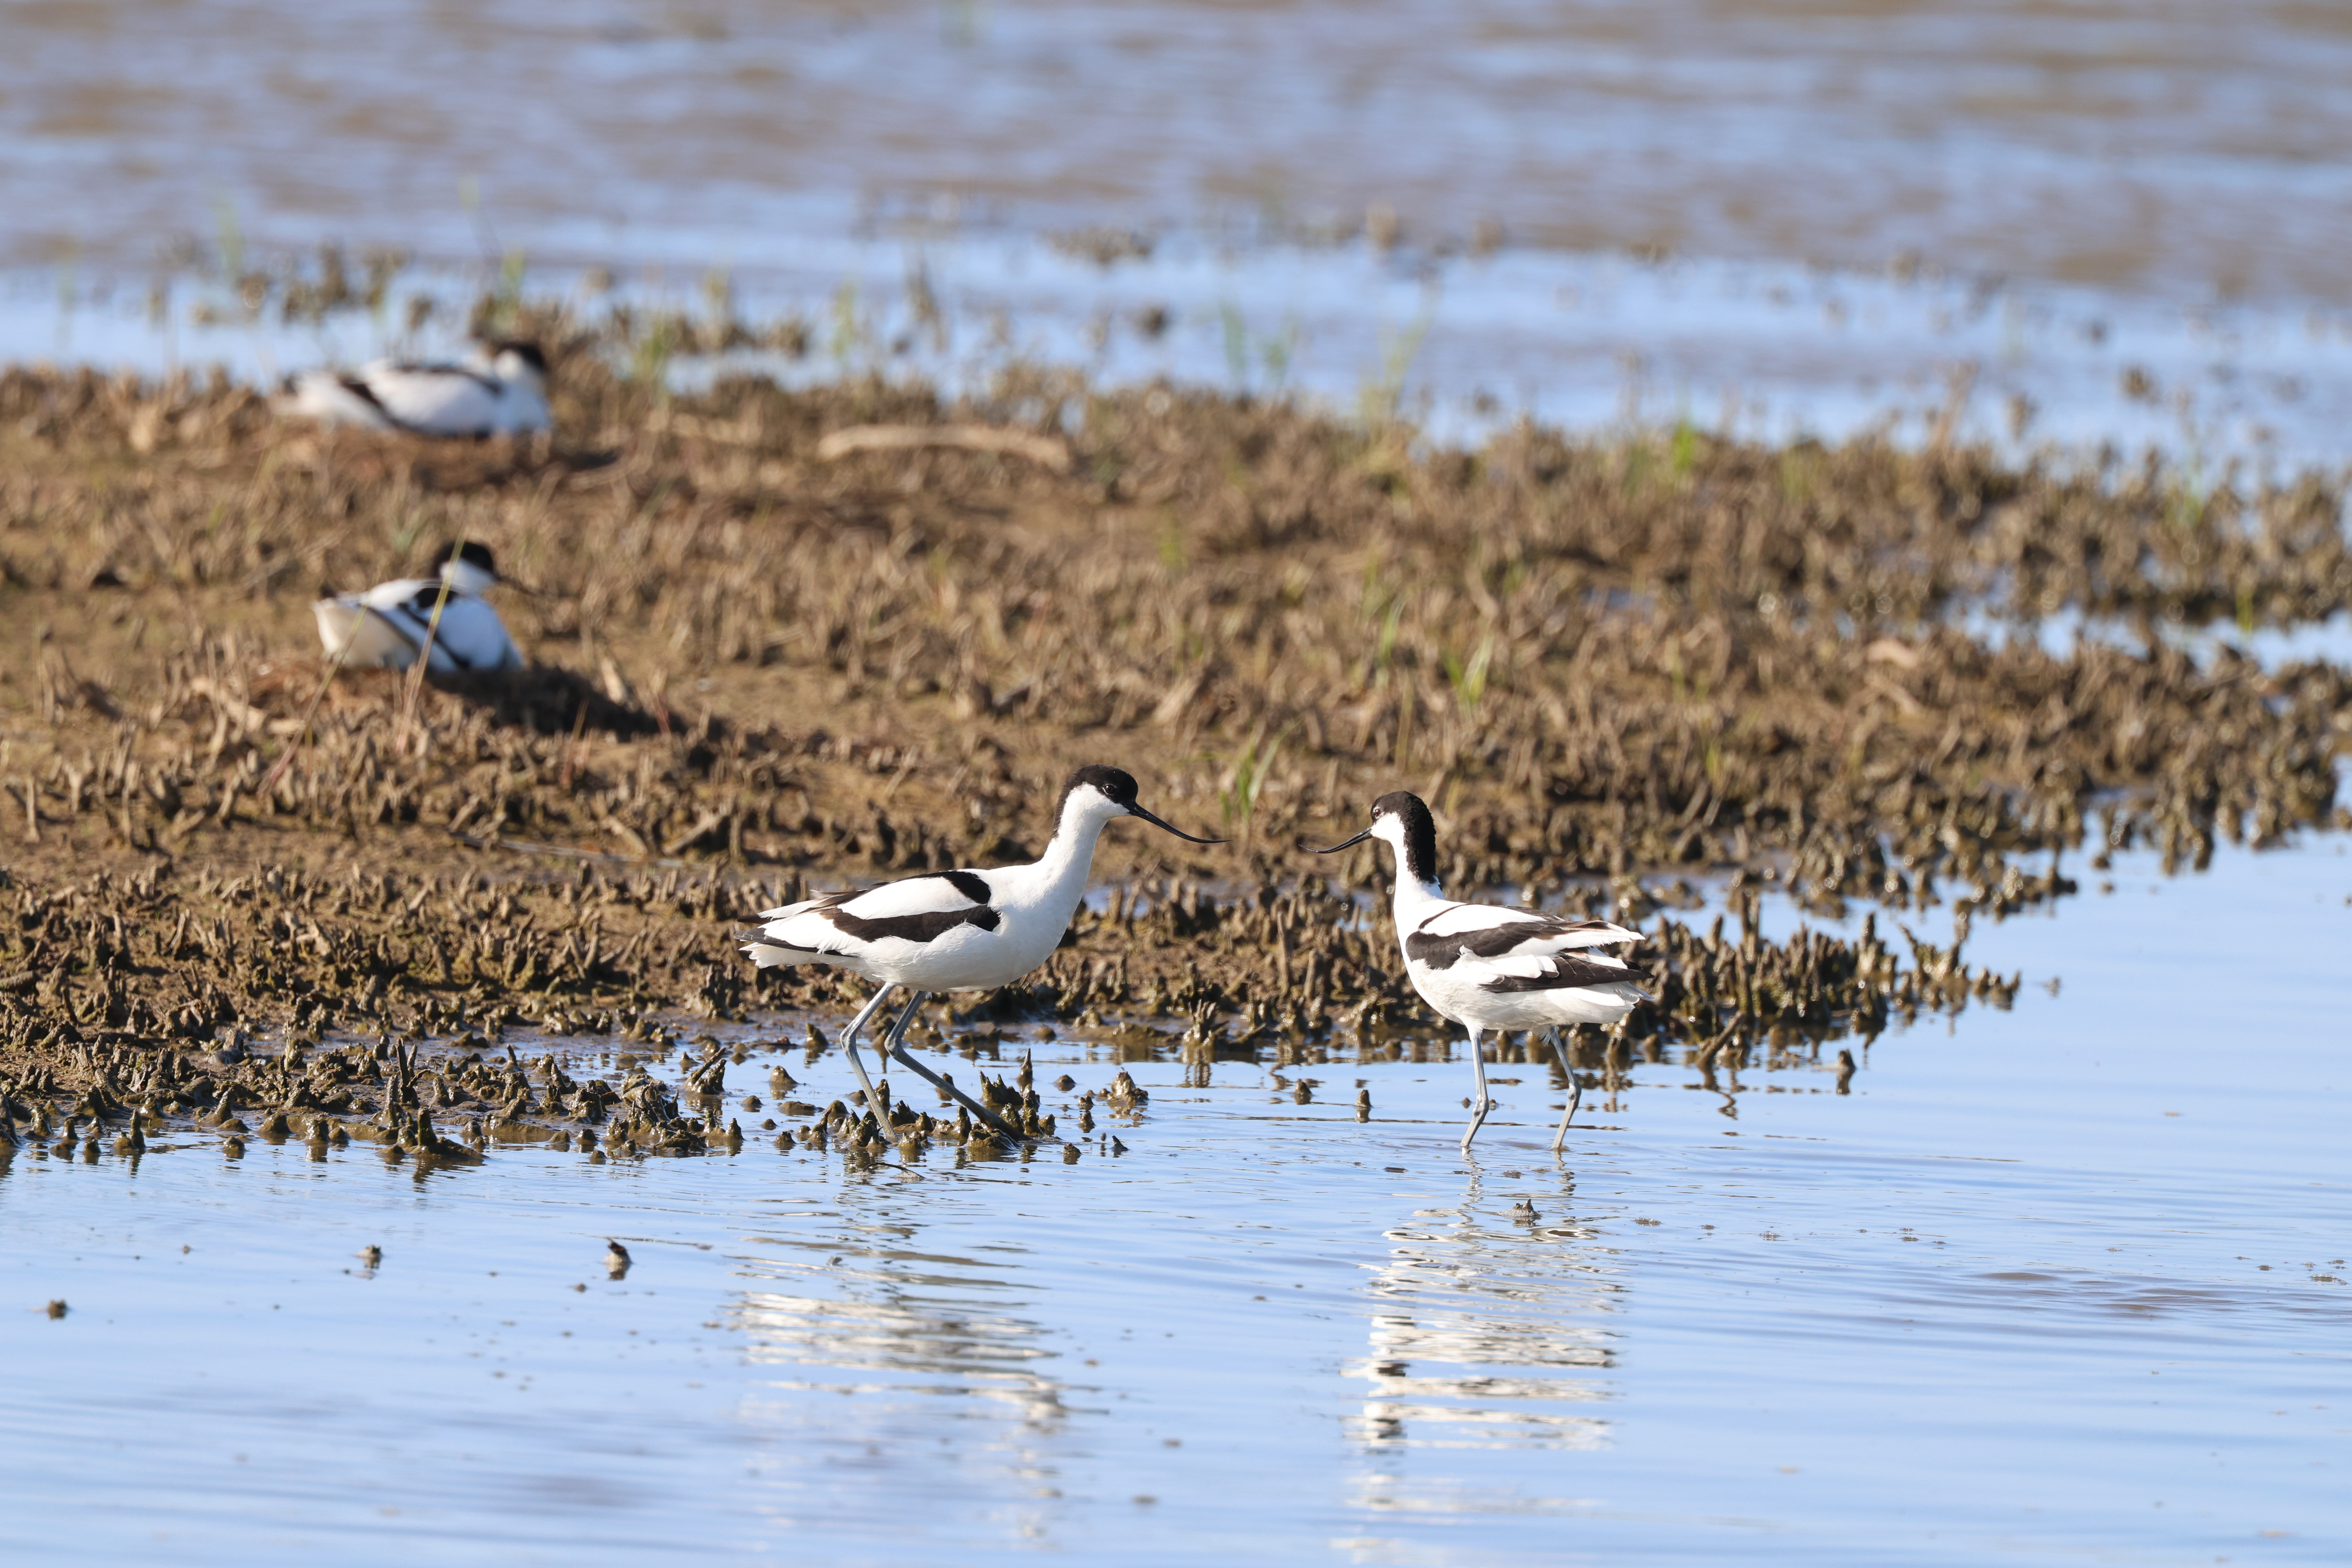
(1347, 844)
(1167, 827)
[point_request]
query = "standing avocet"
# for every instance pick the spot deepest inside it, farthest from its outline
(952, 931)
(502, 390)
(387, 626)
(1488, 967)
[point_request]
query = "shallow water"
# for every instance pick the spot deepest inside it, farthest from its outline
(2114, 223)
(1458, 346)
(2133, 142)
(2047, 1284)
(2327, 641)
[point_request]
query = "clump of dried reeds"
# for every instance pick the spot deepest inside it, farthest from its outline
(765, 663)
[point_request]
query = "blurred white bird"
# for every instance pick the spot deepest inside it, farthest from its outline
(385, 627)
(500, 390)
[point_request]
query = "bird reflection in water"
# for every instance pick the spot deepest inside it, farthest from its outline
(914, 1323)
(1486, 1331)
(939, 1365)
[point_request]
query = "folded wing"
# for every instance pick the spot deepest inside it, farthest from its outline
(1461, 932)
(1554, 971)
(386, 626)
(470, 636)
(437, 400)
(919, 911)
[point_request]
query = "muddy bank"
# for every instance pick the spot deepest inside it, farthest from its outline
(765, 661)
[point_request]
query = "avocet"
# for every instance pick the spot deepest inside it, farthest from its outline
(500, 390)
(443, 617)
(952, 931)
(1490, 968)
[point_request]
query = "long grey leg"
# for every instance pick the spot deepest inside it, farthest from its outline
(890, 1038)
(849, 1044)
(894, 1044)
(1482, 1104)
(897, 1032)
(1575, 1090)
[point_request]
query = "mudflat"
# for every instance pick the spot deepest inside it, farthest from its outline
(785, 640)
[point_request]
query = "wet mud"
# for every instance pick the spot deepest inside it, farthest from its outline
(773, 652)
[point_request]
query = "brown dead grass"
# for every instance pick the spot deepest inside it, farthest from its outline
(756, 670)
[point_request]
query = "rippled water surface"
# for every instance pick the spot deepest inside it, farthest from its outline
(2077, 223)
(2126, 141)
(2059, 1284)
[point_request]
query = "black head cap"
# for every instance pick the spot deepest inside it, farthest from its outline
(472, 554)
(1419, 832)
(1119, 788)
(527, 353)
(1113, 784)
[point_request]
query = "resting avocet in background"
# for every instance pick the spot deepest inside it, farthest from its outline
(500, 390)
(952, 931)
(1488, 967)
(385, 627)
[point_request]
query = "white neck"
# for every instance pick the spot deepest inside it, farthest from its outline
(1058, 877)
(1411, 893)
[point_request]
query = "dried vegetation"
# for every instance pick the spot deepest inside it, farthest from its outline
(1610, 667)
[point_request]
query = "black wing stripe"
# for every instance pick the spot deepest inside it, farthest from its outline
(928, 926)
(1493, 942)
(971, 884)
(922, 928)
(1567, 974)
(395, 628)
(367, 394)
(1433, 952)
(421, 607)
(1441, 951)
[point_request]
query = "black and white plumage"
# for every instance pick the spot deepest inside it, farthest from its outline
(1489, 967)
(953, 930)
(389, 625)
(500, 390)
